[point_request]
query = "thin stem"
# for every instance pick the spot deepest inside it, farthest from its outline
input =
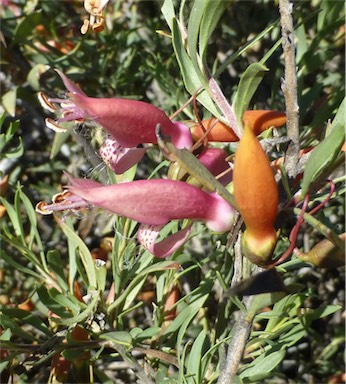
(224, 106)
(242, 327)
(289, 87)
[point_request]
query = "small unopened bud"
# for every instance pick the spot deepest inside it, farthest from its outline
(324, 254)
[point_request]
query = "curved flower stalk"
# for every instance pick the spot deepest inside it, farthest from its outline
(128, 122)
(153, 203)
(257, 198)
(258, 121)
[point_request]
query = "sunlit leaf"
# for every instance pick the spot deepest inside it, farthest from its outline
(248, 84)
(323, 156)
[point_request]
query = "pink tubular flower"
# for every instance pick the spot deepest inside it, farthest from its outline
(153, 203)
(215, 160)
(128, 122)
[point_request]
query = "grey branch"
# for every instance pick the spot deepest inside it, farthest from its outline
(289, 87)
(243, 323)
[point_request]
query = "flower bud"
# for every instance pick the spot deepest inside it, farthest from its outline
(324, 254)
(258, 121)
(257, 198)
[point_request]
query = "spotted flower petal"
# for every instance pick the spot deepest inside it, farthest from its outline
(118, 158)
(147, 235)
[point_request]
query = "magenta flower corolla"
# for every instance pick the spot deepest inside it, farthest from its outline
(128, 122)
(153, 203)
(215, 160)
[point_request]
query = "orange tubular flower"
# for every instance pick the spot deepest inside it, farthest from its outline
(258, 121)
(257, 198)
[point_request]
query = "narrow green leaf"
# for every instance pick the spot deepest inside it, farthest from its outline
(51, 304)
(101, 275)
(57, 266)
(27, 318)
(211, 17)
(9, 100)
(191, 78)
(91, 307)
(65, 301)
(160, 266)
(7, 322)
(15, 219)
(146, 334)
(248, 85)
(193, 28)
(118, 337)
(263, 365)
(84, 252)
(33, 227)
(263, 300)
(324, 154)
(193, 369)
(168, 12)
(58, 141)
(292, 337)
(18, 266)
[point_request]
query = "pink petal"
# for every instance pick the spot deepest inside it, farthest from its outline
(69, 84)
(118, 158)
(147, 235)
(215, 160)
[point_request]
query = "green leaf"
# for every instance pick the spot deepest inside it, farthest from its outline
(168, 12)
(263, 300)
(146, 334)
(118, 337)
(27, 318)
(190, 76)
(292, 337)
(319, 313)
(51, 304)
(31, 214)
(90, 309)
(9, 100)
(193, 369)
(15, 219)
(211, 16)
(7, 322)
(26, 27)
(87, 260)
(35, 74)
(160, 266)
(58, 141)
(248, 84)
(322, 158)
(66, 300)
(193, 28)
(263, 365)
(57, 266)
(101, 274)
(18, 266)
